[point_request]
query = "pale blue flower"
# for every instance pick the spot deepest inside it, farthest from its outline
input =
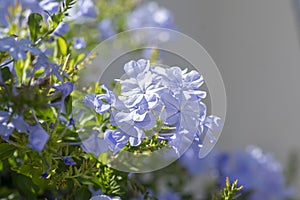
(42, 62)
(65, 89)
(259, 173)
(191, 161)
(94, 144)
(104, 197)
(209, 124)
(49, 5)
(150, 15)
(169, 195)
(35, 6)
(17, 48)
(116, 139)
(87, 8)
(134, 68)
(180, 112)
(61, 29)
(124, 120)
(106, 28)
(181, 82)
(101, 103)
(82, 10)
(37, 137)
(7, 127)
(79, 43)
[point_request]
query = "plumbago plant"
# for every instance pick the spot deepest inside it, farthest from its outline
(48, 150)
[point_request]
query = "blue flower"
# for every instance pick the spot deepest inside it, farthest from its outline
(106, 29)
(61, 29)
(71, 122)
(116, 139)
(42, 62)
(83, 9)
(142, 86)
(180, 112)
(38, 137)
(150, 94)
(68, 161)
(169, 195)
(45, 175)
(124, 120)
(79, 43)
(87, 8)
(94, 144)
(49, 5)
(258, 172)
(65, 89)
(17, 49)
(134, 68)
(194, 165)
(150, 15)
(6, 127)
(104, 197)
(100, 102)
(181, 82)
(209, 124)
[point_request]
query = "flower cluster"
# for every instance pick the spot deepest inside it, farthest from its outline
(153, 99)
(149, 14)
(259, 173)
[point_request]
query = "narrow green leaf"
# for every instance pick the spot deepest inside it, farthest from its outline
(62, 46)
(35, 21)
(6, 150)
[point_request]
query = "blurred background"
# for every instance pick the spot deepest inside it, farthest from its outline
(255, 44)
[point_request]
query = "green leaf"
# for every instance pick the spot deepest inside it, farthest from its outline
(19, 66)
(62, 46)
(6, 150)
(24, 186)
(35, 21)
(6, 75)
(83, 193)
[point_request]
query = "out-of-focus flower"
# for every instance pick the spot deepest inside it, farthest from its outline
(35, 6)
(17, 122)
(38, 137)
(42, 62)
(169, 195)
(61, 29)
(87, 8)
(258, 172)
(49, 5)
(65, 89)
(17, 49)
(106, 28)
(79, 43)
(150, 15)
(194, 165)
(82, 10)
(104, 197)
(68, 161)
(45, 175)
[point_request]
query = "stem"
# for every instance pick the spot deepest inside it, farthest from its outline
(8, 62)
